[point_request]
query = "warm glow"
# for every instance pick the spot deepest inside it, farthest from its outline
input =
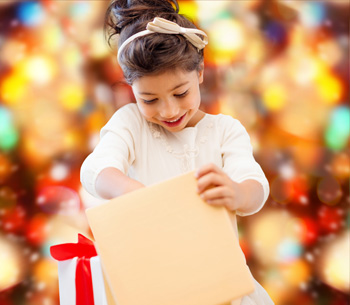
(329, 88)
(72, 96)
(227, 39)
(336, 264)
(10, 264)
(13, 88)
(274, 97)
(39, 69)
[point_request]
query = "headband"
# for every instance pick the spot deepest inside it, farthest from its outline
(160, 25)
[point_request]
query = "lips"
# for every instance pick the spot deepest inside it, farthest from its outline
(174, 123)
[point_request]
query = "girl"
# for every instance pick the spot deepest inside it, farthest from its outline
(164, 133)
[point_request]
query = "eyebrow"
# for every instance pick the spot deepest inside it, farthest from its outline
(178, 86)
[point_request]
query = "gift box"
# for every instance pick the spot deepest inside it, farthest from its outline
(163, 245)
(80, 277)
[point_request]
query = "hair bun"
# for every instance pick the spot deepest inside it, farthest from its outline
(122, 13)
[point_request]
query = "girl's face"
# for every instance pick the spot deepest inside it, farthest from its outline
(170, 99)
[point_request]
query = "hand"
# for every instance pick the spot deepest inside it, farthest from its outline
(111, 183)
(218, 189)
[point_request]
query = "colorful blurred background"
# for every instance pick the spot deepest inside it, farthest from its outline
(280, 67)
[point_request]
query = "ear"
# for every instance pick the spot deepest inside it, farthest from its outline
(201, 72)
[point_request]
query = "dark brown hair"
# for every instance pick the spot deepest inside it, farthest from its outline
(154, 53)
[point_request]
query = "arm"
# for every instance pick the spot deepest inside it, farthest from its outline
(113, 156)
(111, 183)
(216, 188)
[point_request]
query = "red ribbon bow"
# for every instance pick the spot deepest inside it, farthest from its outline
(83, 250)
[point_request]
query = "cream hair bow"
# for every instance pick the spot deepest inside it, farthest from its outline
(161, 25)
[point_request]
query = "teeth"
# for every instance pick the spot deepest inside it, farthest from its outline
(174, 120)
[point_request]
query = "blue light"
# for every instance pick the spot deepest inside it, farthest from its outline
(289, 250)
(79, 10)
(30, 13)
(313, 14)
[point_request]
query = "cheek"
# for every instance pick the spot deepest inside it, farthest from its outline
(146, 110)
(193, 101)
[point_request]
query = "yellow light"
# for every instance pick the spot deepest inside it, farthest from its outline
(227, 40)
(13, 88)
(329, 88)
(39, 69)
(72, 97)
(9, 271)
(274, 97)
(52, 37)
(10, 264)
(45, 274)
(335, 264)
(98, 45)
(296, 273)
(268, 231)
(189, 9)
(72, 140)
(227, 36)
(71, 56)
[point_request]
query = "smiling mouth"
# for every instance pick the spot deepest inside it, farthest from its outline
(174, 122)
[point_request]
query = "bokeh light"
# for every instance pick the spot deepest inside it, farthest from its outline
(12, 51)
(227, 40)
(335, 263)
(58, 200)
(312, 13)
(274, 97)
(40, 70)
(5, 167)
(330, 88)
(30, 13)
(11, 264)
(338, 131)
(280, 67)
(8, 133)
(72, 96)
(296, 273)
(275, 237)
(13, 88)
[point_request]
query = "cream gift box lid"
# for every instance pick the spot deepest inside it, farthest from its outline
(163, 245)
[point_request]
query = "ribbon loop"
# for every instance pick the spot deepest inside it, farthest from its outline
(164, 26)
(161, 25)
(84, 248)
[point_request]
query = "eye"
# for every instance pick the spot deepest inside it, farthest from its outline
(149, 101)
(182, 94)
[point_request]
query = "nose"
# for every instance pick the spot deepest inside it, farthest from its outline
(169, 110)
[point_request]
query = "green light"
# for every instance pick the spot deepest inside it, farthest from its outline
(337, 133)
(8, 133)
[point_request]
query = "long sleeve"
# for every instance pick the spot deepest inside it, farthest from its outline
(237, 156)
(116, 148)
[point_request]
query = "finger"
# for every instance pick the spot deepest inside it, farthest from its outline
(217, 202)
(209, 180)
(216, 193)
(205, 169)
(224, 201)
